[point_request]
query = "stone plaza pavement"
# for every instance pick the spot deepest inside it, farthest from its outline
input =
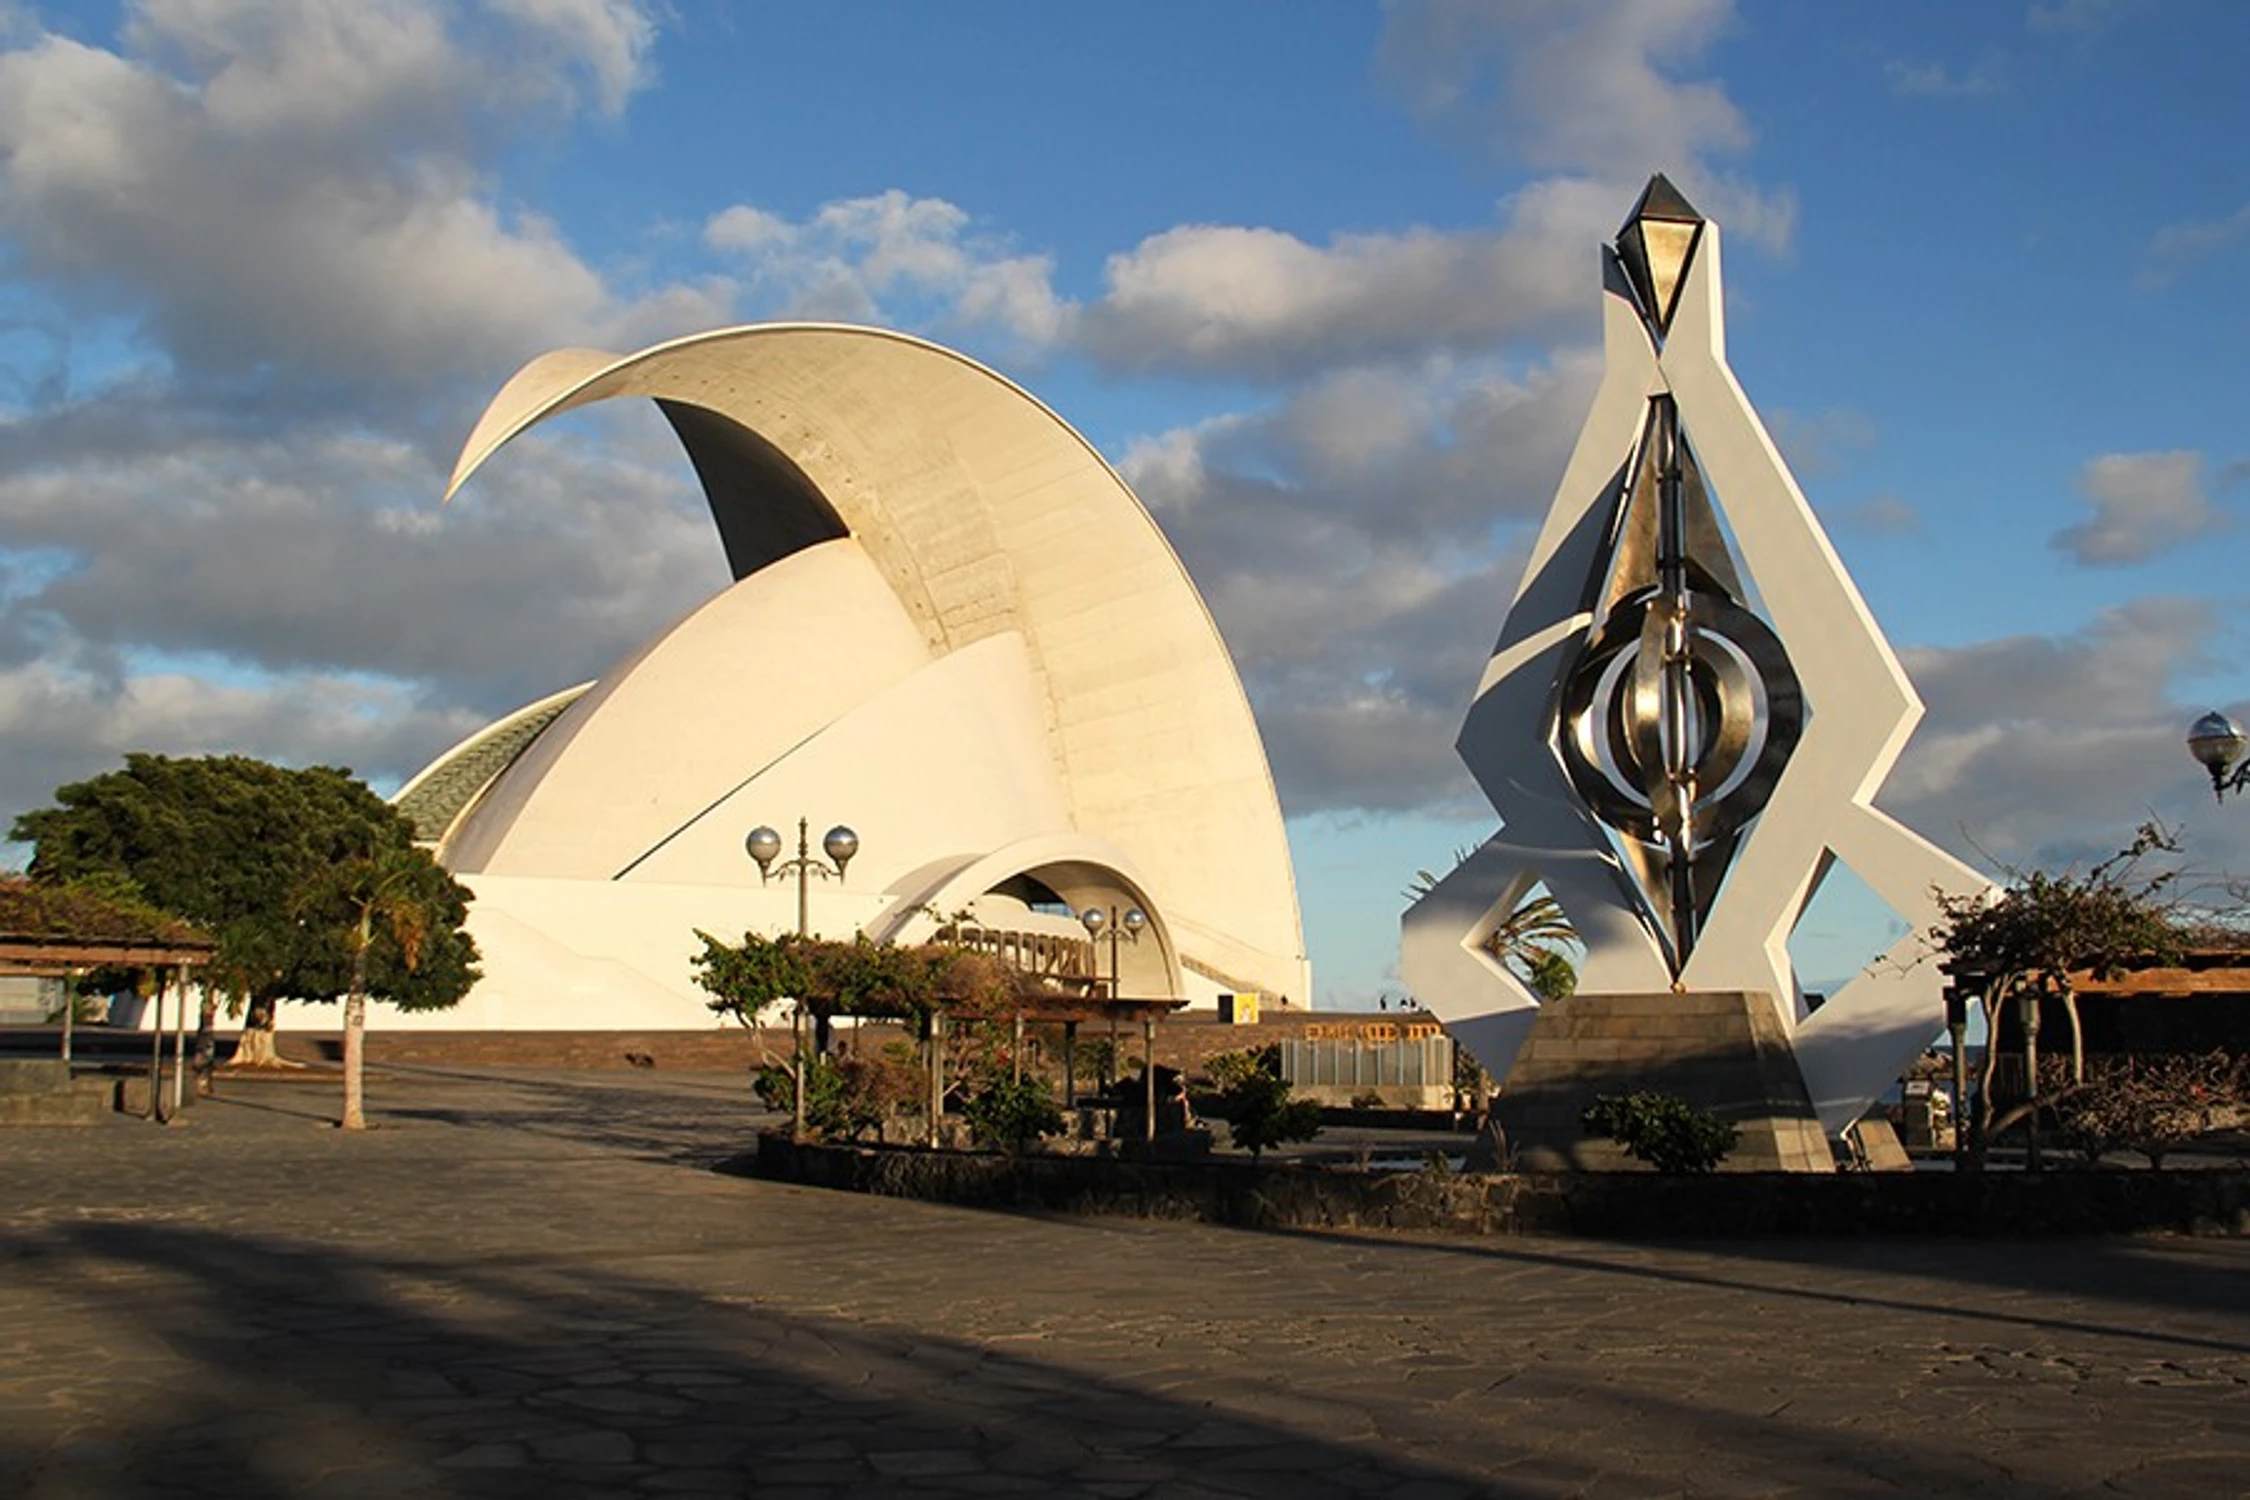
(531, 1284)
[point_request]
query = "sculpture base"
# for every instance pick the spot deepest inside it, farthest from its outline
(1722, 1051)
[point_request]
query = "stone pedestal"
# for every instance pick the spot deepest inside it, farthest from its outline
(1725, 1052)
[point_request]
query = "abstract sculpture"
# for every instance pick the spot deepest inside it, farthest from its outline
(1688, 713)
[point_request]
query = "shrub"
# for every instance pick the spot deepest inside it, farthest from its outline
(2151, 1105)
(1227, 1069)
(1013, 1113)
(1668, 1133)
(1367, 1099)
(847, 1096)
(1260, 1113)
(776, 1085)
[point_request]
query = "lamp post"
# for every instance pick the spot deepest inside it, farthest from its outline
(1128, 925)
(1957, 994)
(764, 847)
(2218, 743)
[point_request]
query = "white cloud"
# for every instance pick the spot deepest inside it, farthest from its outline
(2177, 249)
(2144, 504)
(2041, 750)
(301, 182)
(1357, 544)
(892, 257)
(1234, 300)
(1937, 80)
(1587, 94)
(1579, 88)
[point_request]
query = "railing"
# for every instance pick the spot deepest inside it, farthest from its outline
(1045, 955)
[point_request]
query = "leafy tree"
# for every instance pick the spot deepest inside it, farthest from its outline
(1530, 941)
(974, 991)
(233, 844)
(401, 898)
(2040, 930)
(1013, 1112)
(1668, 1133)
(1259, 1112)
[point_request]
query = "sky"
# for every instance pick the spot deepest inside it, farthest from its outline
(1319, 278)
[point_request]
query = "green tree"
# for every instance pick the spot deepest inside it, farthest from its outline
(2033, 936)
(1531, 941)
(1259, 1112)
(1012, 1113)
(231, 844)
(393, 906)
(1668, 1133)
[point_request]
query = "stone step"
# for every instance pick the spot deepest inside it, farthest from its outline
(85, 1105)
(21, 1076)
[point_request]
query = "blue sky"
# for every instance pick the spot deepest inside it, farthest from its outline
(1320, 278)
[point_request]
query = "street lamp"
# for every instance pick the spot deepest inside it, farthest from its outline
(1128, 925)
(2217, 741)
(764, 846)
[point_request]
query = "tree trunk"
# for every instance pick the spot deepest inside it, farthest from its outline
(255, 1049)
(206, 1040)
(355, 1046)
(2077, 1035)
(355, 1030)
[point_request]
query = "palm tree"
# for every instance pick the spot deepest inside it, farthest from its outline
(1530, 941)
(384, 893)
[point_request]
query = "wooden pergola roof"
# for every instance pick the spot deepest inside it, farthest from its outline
(2200, 971)
(59, 930)
(60, 957)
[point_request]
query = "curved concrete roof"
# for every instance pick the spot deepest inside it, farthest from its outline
(984, 514)
(441, 790)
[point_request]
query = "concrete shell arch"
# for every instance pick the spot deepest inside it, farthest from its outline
(946, 538)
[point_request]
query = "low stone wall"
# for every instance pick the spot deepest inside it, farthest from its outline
(1625, 1205)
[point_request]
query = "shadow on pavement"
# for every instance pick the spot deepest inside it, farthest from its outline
(317, 1372)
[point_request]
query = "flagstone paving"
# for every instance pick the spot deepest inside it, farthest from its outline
(532, 1285)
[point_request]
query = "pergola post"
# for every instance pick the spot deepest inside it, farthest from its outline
(937, 1071)
(156, 1054)
(1070, 1065)
(1148, 1071)
(179, 1047)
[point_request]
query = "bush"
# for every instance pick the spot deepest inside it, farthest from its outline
(1260, 1113)
(1669, 1134)
(776, 1085)
(1227, 1069)
(847, 1096)
(2151, 1105)
(1013, 1113)
(1367, 1099)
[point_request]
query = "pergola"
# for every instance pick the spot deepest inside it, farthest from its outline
(50, 934)
(1068, 1010)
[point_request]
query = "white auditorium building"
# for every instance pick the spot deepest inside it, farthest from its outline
(952, 627)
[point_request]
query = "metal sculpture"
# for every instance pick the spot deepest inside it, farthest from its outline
(1688, 712)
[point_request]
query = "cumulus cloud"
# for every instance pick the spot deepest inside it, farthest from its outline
(1882, 515)
(2144, 504)
(892, 257)
(1582, 88)
(2042, 750)
(62, 724)
(2177, 249)
(1234, 300)
(1937, 80)
(258, 275)
(1586, 95)
(257, 183)
(1357, 543)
